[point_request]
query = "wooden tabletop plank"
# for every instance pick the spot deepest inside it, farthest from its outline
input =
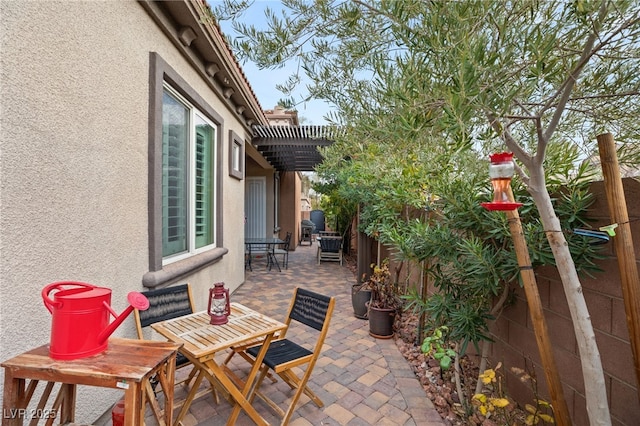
(201, 338)
(124, 359)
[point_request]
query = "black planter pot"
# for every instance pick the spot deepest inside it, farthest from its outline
(381, 322)
(359, 299)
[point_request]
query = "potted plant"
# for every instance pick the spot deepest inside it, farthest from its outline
(360, 296)
(384, 303)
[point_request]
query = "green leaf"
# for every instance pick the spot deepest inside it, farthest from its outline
(445, 362)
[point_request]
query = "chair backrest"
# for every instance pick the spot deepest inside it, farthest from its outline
(311, 309)
(287, 241)
(331, 244)
(329, 234)
(165, 303)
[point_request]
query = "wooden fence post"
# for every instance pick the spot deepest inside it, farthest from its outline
(559, 403)
(623, 243)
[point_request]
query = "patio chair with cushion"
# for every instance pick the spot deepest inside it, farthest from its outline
(285, 357)
(330, 249)
(167, 303)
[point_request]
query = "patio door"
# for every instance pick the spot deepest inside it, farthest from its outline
(255, 207)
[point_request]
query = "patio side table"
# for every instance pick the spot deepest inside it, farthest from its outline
(126, 364)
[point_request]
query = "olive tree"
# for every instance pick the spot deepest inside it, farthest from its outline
(464, 75)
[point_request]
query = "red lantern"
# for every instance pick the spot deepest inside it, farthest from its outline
(501, 171)
(219, 307)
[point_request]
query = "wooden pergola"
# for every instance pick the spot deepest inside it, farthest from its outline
(293, 148)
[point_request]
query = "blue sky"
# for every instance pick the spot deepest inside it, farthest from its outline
(264, 82)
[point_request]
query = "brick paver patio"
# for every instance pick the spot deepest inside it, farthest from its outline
(360, 379)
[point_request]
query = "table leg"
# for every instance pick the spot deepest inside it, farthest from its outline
(13, 399)
(268, 251)
(17, 396)
(242, 399)
(239, 397)
(170, 372)
(272, 258)
(247, 254)
(67, 408)
(133, 414)
(191, 395)
(165, 375)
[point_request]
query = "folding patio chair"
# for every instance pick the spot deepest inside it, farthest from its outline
(283, 355)
(330, 249)
(284, 251)
(167, 303)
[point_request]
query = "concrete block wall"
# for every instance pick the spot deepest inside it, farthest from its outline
(515, 344)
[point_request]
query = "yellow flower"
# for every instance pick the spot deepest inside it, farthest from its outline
(547, 418)
(535, 416)
(488, 376)
(488, 405)
(500, 402)
(480, 397)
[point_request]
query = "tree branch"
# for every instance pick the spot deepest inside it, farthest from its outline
(567, 87)
(511, 143)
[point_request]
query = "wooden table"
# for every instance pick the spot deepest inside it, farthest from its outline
(202, 341)
(126, 364)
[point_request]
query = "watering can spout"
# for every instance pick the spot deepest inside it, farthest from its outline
(136, 300)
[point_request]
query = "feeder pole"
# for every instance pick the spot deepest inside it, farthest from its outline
(560, 410)
(424, 293)
(501, 171)
(424, 290)
(623, 243)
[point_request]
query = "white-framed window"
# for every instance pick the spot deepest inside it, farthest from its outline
(186, 231)
(188, 178)
(236, 156)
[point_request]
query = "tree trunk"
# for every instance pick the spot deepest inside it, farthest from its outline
(496, 311)
(592, 373)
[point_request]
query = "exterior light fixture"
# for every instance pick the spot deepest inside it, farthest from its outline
(219, 308)
(501, 171)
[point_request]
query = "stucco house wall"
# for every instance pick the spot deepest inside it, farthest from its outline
(74, 164)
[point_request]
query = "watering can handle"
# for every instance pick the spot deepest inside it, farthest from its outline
(50, 304)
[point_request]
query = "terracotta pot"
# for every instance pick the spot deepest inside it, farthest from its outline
(381, 322)
(359, 298)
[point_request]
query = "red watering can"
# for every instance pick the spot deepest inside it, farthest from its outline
(80, 317)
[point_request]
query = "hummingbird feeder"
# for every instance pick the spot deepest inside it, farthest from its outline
(501, 171)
